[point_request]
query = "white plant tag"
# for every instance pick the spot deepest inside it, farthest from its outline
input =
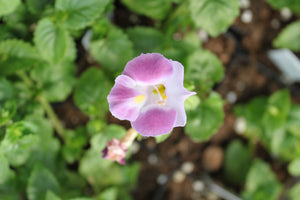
(288, 63)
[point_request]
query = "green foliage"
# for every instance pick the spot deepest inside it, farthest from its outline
(224, 12)
(17, 143)
(161, 138)
(145, 39)
(294, 192)
(110, 193)
(114, 51)
(55, 80)
(40, 181)
(99, 140)
(261, 183)
(204, 69)
(53, 42)
(205, 120)
(77, 14)
(236, 162)
(51, 196)
(276, 112)
(294, 167)
(37, 6)
(289, 37)
(273, 121)
(91, 92)
(156, 9)
(7, 7)
(294, 5)
(74, 143)
(6, 172)
(16, 55)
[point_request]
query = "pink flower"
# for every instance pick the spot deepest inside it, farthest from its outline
(115, 151)
(150, 94)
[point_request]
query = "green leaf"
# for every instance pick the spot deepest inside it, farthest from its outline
(294, 192)
(77, 14)
(74, 184)
(276, 112)
(191, 103)
(38, 6)
(55, 80)
(110, 193)
(74, 143)
(98, 141)
(7, 111)
(5, 172)
(8, 190)
(236, 162)
(292, 122)
(289, 37)
(156, 9)
(53, 42)
(261, 183)
(45, 149)
(95, 126)
(40, 181)
(294, 167)
(214, 16)
(112, 52)
(161, 138)
(6, 90)
(204, 121)
(204, 69)
(294, 5)
(94, 168)
(17, 55)
(8, 105)
(285, 145)
(145, 39)
(18, 142)
(91, 92)
(252, 113)
(7, 7)
(51, 196)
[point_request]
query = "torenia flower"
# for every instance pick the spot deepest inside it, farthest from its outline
(150, 94)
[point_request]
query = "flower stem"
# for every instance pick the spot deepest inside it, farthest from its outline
(45, 104)
(129, 137)
(51, 114)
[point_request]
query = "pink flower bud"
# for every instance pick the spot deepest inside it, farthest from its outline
(115, 151)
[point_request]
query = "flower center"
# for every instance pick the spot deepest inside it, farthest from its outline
(160, 91)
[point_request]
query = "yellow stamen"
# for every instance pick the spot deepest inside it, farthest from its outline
(161, 89)
(139, 99)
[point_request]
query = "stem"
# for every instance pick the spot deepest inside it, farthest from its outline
(51, 114)
(129, 137)
(45, 104)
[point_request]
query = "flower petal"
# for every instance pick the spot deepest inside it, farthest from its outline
(150, 68)
(121, 99)
(155, 121)
(176, 93)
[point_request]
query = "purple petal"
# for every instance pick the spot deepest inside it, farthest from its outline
(150, 68)
(176, 93)
(155, 121)
(121, 99)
